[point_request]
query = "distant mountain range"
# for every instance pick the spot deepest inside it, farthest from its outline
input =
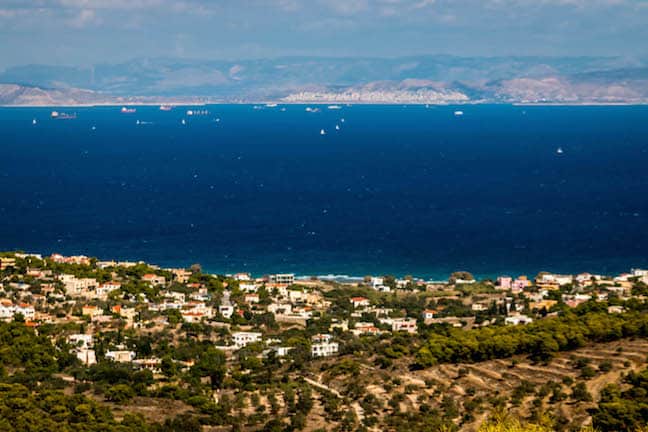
(421, 79)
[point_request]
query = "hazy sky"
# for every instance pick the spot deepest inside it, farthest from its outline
(81, 32)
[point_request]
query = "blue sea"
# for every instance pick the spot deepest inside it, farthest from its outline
(397, 189)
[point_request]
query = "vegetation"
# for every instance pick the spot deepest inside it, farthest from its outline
(624, 409)
(541, 339)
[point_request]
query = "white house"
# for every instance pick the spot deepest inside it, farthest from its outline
(242, 339)
(104, 289)
(87, 356)
(120, 356)
(359, 302)
(80, 341)
(639, 273)
(227, 310)
(517, 319)
(323, 347)
(283, 278)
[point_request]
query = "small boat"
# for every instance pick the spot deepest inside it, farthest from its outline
(137, 122)
(54, 114)
(312, 110)
(337, 127)
(126, 110)
(271, 105)
(34, 121)
(559, 150)
(458, 113)
(94, 127)
(184, 122)
(322, 132)
(166, 107)
(334, 107)
(342, 120)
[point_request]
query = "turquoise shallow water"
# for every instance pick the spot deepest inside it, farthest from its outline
(403, 190)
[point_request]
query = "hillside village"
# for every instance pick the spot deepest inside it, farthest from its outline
(208, 341)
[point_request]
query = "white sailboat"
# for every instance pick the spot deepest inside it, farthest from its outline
(322, 132)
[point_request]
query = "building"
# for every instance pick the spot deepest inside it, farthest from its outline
(7, 262)
(154, 279)
(428, 314)
(181, 275)
(542, 304)
(248, 287)
(226, 310)
(76, 286)
(365, 328)
(280, 351)
(81, 341)
(91, 311)
(283, 278)
(78, 259)
(639, 273)
(124, 312)
(323, 346)
(516, 319)
(87, 356)
(242, 339)
(251, 298)
(504, 283)
(242, 276)
(106, 288)
(404, 324)
(120, 356)
(359, 302)
(520, 284)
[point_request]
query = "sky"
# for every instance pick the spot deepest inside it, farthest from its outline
(84, 32)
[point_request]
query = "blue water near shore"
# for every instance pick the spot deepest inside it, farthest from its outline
(402, 190)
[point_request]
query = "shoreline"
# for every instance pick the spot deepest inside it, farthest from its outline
(324, 103)
(433, 277)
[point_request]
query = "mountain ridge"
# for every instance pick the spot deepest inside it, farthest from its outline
(310, 79)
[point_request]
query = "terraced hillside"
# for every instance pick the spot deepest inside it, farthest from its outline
(560, 391)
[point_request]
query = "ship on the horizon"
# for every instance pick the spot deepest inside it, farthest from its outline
(62, 115)
(126, 110)
(166, 107)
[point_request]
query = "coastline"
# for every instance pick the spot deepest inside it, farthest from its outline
(324, 103)
(439, 275)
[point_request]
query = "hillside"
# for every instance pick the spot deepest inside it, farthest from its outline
(422, 79)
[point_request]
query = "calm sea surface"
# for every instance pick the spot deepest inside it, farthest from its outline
(402, 190)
